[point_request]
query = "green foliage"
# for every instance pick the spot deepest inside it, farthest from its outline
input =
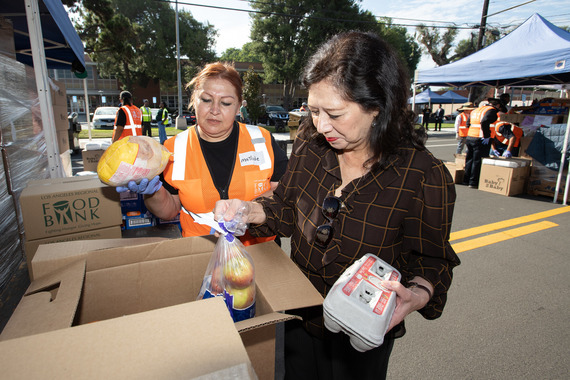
(136, 40)
(252, 93)
(247, 53)
(287, 32)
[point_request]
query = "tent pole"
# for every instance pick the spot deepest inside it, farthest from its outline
(561, 169)
(87, 107)
(44, 95)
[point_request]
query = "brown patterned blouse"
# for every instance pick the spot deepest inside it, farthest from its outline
(402, 214)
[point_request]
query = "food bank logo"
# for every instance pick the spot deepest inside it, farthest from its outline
(67, 212)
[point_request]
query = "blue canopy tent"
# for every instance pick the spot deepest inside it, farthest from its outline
(535, 53)
(454, 97)
(428, 96)
(45, 38)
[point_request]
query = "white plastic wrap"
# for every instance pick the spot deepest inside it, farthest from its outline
(24, 155)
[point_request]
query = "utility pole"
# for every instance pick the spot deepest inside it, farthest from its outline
(483, 25)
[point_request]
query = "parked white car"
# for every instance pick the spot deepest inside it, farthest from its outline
(104, 117)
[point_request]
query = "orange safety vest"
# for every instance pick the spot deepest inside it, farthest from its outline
(476, 117)
(189, 173)
(134, 122)
(517, 131)
(463, 129)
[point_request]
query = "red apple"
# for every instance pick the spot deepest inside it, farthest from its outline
(238, 272)
(243, 297)
(216, 283)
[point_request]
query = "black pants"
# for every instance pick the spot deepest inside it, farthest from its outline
(425, 122)
(476, 151)
(331, 358)
(146, 131)
(438, 121)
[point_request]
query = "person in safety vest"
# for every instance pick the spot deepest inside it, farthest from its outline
(479, 139)
(218, 158)
(461, 127)
(507, 140)
(128, 120)
(162, 121)
(146, 119)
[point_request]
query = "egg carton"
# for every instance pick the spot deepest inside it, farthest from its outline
(359, 305)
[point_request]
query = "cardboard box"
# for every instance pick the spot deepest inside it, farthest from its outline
(457, 174)
(62, 141)
(542, 181)
(58, 94)
(460, 161)
(7, 47)
(63, 206)
(77, 286)
(169, 343)
(31, 246)
(504, 180)
(91, 159)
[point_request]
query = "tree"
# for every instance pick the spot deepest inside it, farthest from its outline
(437, 45)
(136, 40)
(252, 93)
(247, 53)
(286, 32)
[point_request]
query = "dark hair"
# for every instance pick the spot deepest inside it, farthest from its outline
(215, 70)
(367, 71)
(127, 97)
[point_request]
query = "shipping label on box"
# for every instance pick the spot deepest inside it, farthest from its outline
(63, 206)
(91, 159)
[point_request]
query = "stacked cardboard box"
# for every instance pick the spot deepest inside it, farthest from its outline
(59, 102)
(505, 176)
(542, 181)
(66, 209)
(96, 289)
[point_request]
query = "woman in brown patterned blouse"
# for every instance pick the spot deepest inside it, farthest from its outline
(395, 200)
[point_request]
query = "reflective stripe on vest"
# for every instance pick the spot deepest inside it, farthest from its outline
(463, 129)
(133, 126)
(189, 173)
(517, 131)
(475, 129)
(146, 113)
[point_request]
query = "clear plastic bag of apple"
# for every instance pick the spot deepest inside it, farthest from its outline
(231, 274)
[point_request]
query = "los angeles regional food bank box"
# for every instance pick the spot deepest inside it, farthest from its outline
(75, 287)
(62, 206)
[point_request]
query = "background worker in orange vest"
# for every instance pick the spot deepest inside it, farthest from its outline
(479, 139)
(507, 139)
(461, 127)
(218, 158)
(128, 120)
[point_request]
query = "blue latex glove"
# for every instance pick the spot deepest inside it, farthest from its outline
(486, 141)
(144, 187)
(507, 154)
(496, 153)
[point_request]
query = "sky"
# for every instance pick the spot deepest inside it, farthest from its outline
(233, 26)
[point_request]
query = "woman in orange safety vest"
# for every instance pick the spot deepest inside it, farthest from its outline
(218, 158)
(128, 120)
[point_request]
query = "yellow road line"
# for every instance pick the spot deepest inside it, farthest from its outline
(507, 223)
(501, 236)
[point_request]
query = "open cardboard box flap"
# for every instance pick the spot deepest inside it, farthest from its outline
(139, 346)
(136, 278)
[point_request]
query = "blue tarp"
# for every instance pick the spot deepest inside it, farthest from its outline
(63, 47)
(535, 53)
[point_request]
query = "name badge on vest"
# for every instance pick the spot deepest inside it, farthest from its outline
(251, 158)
